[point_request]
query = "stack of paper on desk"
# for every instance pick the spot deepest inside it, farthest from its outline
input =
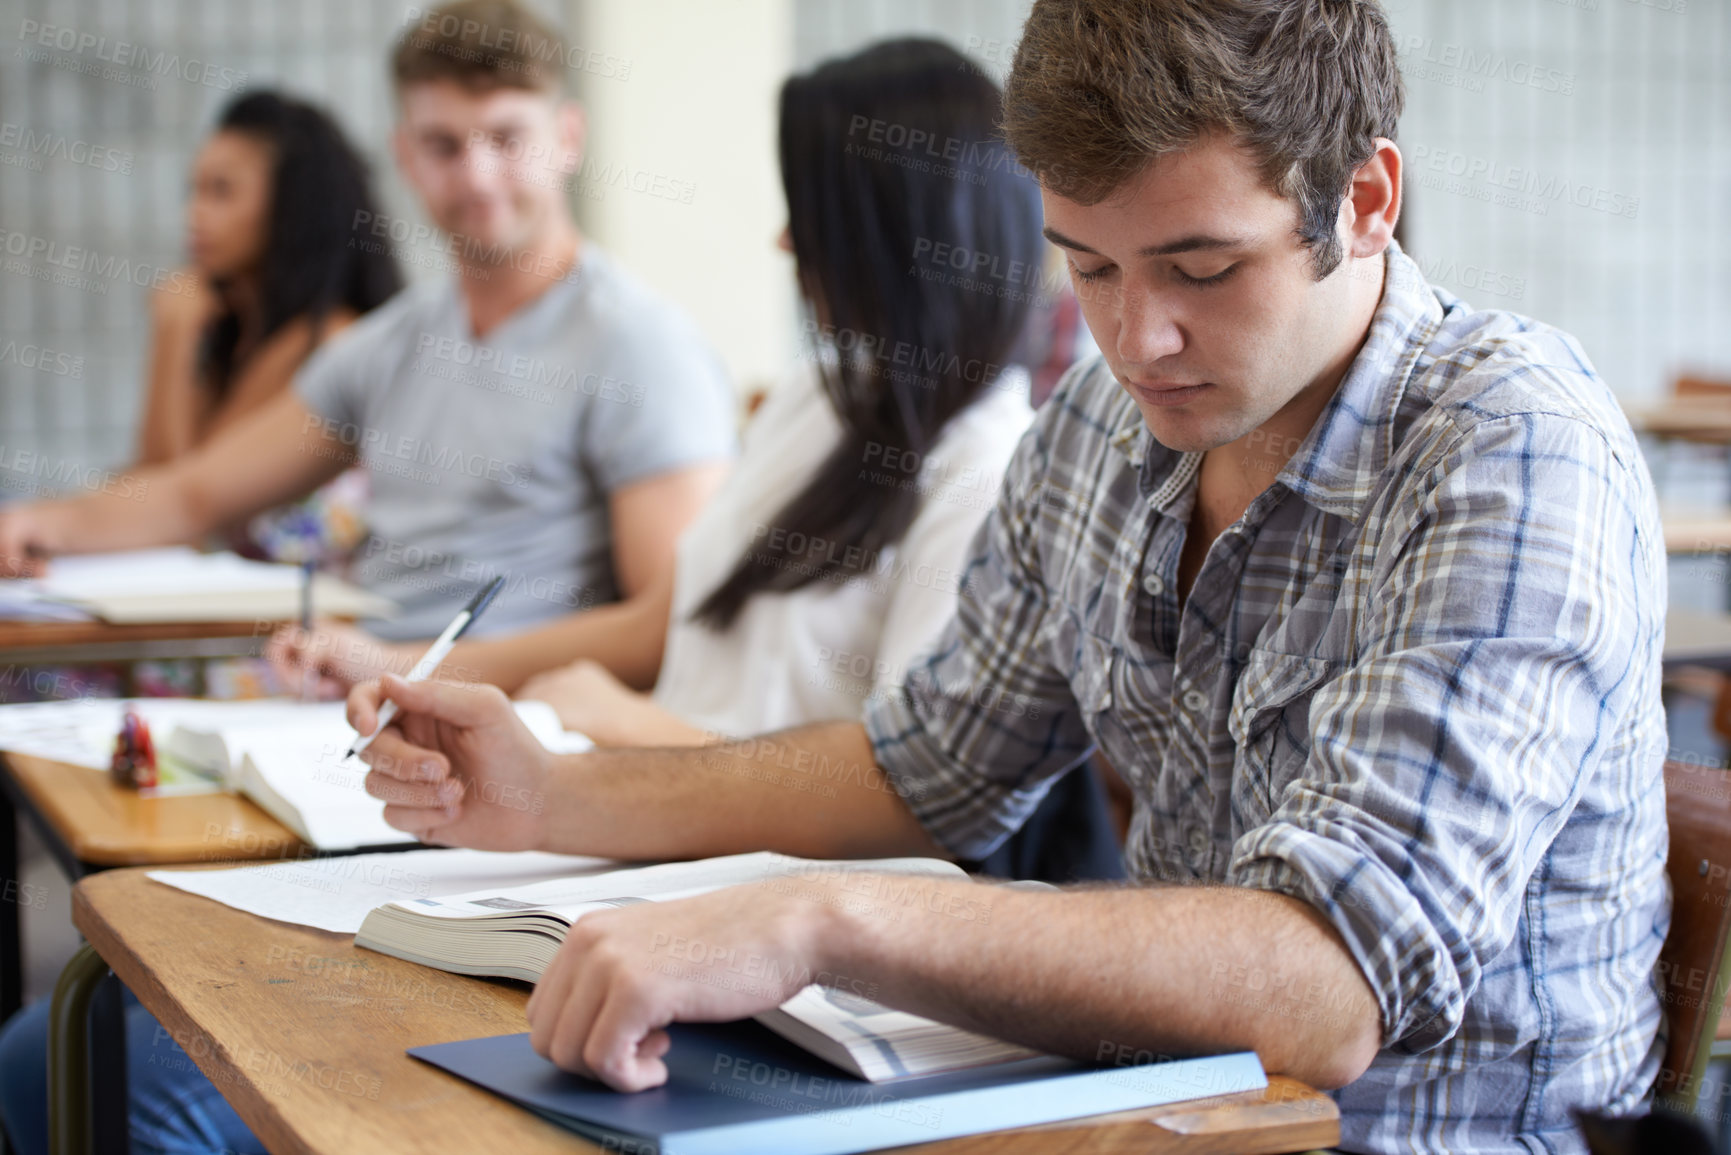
(286, 756)
(505, 915)
(179, 584)
(514, 933)
(908, 1079)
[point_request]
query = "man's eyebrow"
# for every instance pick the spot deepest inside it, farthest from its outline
(1196, 242)
(1059, 239)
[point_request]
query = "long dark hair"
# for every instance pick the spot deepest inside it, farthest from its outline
(892, 165)
(312, 263)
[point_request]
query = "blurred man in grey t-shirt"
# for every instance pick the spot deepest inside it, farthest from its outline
(532, 411)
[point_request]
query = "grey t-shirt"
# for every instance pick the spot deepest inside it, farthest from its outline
(497, 456)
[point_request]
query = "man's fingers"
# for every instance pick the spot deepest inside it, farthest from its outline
(363, 707)
(422, 824)
(393, 755)
(417, 795)
(574, 1019)
(619, 1048)
(460, 705)
(550, 1004)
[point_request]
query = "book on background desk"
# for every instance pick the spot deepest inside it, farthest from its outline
(514, 932)
(736, 1087)
(286, 756)
(179, 584)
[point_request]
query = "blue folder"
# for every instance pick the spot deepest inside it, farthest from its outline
(739, 1087)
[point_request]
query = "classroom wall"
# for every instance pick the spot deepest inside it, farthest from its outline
(1621, 104)
(681, 181)
(1571, 159)
(72, 342)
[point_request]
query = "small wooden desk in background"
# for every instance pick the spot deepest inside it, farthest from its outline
(90, 824)
(1694, 638)
(1704, 420)
(305, 1035)
(50, 642)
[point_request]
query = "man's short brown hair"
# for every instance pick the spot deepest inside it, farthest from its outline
(482, 45)
(1099, 88)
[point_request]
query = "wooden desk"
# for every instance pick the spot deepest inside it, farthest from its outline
(41, 643)
(1696, 530)
(90, 824)
(305, 1034)
(105, 825)
(1705, 420)
(1694, 638)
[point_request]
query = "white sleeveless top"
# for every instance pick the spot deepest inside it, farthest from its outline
(817, 653)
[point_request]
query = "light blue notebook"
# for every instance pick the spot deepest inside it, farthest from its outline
(737, 1087)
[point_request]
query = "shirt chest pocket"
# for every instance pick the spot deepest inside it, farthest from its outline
(1270, 728)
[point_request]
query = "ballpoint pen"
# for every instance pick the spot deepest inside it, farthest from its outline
(308, 674)
(434, 655)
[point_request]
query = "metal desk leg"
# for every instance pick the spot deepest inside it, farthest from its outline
(69, 1053)
(110, 1129)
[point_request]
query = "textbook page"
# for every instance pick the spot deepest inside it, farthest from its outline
(336, 893)
(571, 898)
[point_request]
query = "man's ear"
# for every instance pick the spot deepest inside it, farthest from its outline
(1372, 202)
(573, 134)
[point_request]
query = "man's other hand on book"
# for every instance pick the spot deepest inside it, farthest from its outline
(621, 976)
(456, 766)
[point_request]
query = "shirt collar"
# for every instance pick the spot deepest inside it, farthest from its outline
(1352, 442)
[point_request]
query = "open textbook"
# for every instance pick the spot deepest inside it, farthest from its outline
(179, 584)
(514, 932)
(286, 756)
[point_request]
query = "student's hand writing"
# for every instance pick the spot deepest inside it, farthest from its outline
(456, 766)
(335, 656)
(622, 975)
(27, 538)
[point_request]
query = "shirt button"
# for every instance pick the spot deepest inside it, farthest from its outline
(1195, 701)
(1154, 584)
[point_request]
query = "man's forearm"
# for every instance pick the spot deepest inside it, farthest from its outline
(814, 792)
(1117, 975)
(146, 507)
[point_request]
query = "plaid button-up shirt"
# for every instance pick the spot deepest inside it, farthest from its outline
(1416, 685)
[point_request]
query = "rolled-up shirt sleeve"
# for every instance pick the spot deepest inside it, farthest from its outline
(1519, 611)
(985, 722)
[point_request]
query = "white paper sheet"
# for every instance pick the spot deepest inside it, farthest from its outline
(82, 731)
(335, 894)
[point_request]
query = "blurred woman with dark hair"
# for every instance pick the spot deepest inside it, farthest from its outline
(833, 554)
(841, 534)
(274, 195)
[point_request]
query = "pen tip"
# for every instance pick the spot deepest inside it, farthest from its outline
(350, 754)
